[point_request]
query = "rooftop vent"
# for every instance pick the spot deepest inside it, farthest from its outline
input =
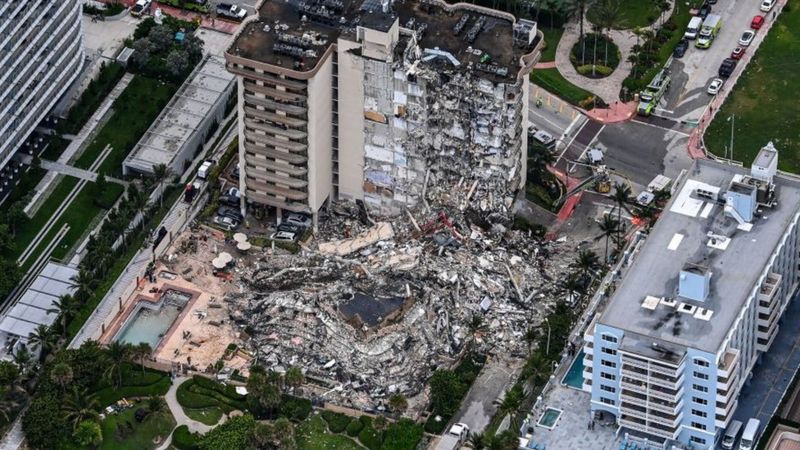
(650, 302)
(694, 282)
(668, 302)
(740, 202)
(765, 166)
(703, 314)
(687, 308)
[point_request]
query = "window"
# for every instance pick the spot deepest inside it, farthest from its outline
(700, 401)
(699, 388)
(603, 387)
(613, 365)
(609, 351)
(607, 401)
(698, 425)
(697, 440)
(699, 413)
(700, 375)
(609, 338)
(608, 376)
(700, 362)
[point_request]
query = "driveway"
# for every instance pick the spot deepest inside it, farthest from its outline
(478, 406)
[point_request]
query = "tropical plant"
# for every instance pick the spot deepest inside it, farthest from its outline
(284, 431)
(530, 336)
(161, 173)
(84, 283)
(6, 408)
(587, 263)
(66, 307)
(477, 441)
(609, 227)
(62, 375)
(573, 287)
(88, 434)
(294, 377)
(141, 352)
(79, 406)
(22, 358)
(117, 353)
(398, 403)
(621, 196)
(42, 338)
(156, 405)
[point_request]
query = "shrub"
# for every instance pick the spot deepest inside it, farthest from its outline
(434, 426)
(183, 439)
(594, 71)
(354, 428)
(369, 436)
(337, 422)
(295, 408)
(405, 434)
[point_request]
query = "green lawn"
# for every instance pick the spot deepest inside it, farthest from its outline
(134, 384)
(208, 416)
(551, 38)
(116, 435)
(134, 111)
(763, 100)
(632, 13)
(552, 81)
(313, 435)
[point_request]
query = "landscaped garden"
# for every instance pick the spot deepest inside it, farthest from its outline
(762, 101)
(553, 81)
(128, 431)
(595, 56)
(632, 13)
(206, 401)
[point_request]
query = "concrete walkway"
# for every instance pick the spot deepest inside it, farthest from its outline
(607, 88)
(180, 417)
(66, 169)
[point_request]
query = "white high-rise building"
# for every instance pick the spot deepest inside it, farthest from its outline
(41, 54)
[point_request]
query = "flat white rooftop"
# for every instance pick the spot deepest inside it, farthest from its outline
(695, 230)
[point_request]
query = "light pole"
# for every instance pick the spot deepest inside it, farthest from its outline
(732, 120)
(548, 336)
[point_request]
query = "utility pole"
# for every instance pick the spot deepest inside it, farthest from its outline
(732, 120)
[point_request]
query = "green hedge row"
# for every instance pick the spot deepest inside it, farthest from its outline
(183, 439)
(200, 393)
(337, 422)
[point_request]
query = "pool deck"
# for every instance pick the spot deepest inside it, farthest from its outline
(200, 335)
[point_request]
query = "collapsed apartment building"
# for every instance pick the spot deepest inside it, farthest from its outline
(402, 129)
(379, 102)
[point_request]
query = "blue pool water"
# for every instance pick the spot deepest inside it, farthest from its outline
(149, 324)
(574, 376)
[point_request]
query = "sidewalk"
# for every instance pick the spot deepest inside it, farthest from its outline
(616, 112)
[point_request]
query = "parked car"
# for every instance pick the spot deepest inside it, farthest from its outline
(229, 223)
(747, 38)
(543, 137)
(290, 228)
(298, 219)
(767, 5)
(680, 49)
(233, 213)
(715, 86)
(757, 23)
(738, 52)
(705, 10)
(727, 66)
(235, 171)
(283, 236)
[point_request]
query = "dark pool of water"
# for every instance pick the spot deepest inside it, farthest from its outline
(371, 310)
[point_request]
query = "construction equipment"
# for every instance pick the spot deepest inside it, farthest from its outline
(652, 94)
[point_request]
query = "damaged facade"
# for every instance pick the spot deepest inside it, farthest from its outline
(381, 103)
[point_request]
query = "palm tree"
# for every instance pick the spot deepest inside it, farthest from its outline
(477, 441)
(609, 227)
(530, 336)
(512, 402)
(42, 337)
(117, 353)
(607, 16)
(398, 403)
(66, 307)
(6, 406)
(573, 286)
(140, 352)
(581, 6)
(22, 358)
(84, 282)
(621, 196)
(139, 201)
(284, 431)
(294, 377)
(62, 375)
(587, 263)
(161, 173)
(79, 406)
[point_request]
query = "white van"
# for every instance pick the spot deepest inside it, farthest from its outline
(750, 435)
(202, 172)
(693, 28)
(731, 434)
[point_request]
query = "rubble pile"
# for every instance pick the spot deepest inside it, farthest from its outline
(374, 315)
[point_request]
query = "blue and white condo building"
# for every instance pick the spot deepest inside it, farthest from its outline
(701, 300)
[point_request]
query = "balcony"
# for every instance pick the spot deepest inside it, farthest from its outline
(275, 93)
(299, 110)
(271, 141)
(276, 130)
(278, 191)
(277, 118)
(634, 424)
(728, 363)
(651, 366)
(272, 200)
(278, 156)
(588, 335)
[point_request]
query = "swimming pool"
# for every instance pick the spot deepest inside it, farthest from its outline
(549, 418)
(574, 376)
(149, 322)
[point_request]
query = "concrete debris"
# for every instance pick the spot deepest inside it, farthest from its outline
(379, 312)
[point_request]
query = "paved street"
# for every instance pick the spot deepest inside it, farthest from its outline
(687, 97)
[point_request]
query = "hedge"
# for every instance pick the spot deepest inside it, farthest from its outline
(369, 436)
(295, 408)
(200, 393)
(337, 422)
(183, 439)
(404, 434)
(354, 428)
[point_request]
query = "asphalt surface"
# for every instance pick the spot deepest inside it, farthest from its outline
(480, 404)
(687, 98)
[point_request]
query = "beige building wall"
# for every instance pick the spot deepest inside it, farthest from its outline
(351, 122)
(320, 130)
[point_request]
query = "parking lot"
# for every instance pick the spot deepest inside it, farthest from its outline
(687, 98)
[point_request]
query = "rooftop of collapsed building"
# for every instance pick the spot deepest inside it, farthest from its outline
(373, 308)
(297, 34)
